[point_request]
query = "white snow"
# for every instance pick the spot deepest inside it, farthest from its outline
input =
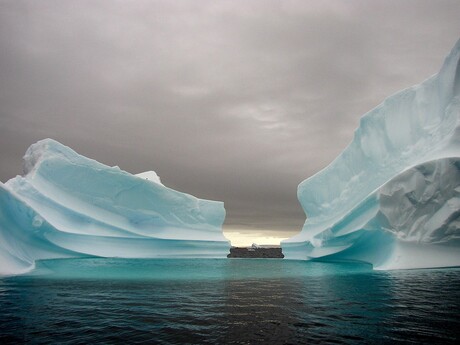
(150, 176)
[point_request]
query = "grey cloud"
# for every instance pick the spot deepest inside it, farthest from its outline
(231, 100)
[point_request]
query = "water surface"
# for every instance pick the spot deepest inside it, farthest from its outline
(237, 301)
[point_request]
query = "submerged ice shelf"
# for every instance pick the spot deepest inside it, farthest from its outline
(67, 205)
(392, 198)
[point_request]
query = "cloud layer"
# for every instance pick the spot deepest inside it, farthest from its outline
(228, 100)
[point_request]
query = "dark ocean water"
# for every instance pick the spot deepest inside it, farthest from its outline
(228, 301)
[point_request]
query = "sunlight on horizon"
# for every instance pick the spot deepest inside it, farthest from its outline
(247, 238)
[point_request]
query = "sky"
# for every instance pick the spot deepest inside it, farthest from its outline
(237, 101)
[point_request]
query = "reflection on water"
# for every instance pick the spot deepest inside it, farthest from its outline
(227, 302)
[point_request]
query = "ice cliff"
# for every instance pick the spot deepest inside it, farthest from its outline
(67, 205)
(392, 197)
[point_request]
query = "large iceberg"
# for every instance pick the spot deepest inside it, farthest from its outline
(392, 197)
(67, 205)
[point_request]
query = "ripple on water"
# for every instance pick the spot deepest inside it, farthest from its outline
(227, 302)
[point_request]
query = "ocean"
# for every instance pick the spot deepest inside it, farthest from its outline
(227, 301)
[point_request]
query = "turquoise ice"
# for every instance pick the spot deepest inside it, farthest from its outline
(67, 205)
(392, 197)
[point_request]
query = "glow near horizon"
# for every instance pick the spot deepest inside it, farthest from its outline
(243, 238)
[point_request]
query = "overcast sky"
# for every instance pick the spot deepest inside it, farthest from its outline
(237, 101)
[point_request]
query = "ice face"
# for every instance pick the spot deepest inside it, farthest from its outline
(67, 205)
(392, 197)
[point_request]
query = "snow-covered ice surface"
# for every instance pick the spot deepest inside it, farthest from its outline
(67, 205)
(392, 197)
(150, 176)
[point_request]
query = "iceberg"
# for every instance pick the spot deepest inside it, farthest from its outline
(67, 206)
(392, 197)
